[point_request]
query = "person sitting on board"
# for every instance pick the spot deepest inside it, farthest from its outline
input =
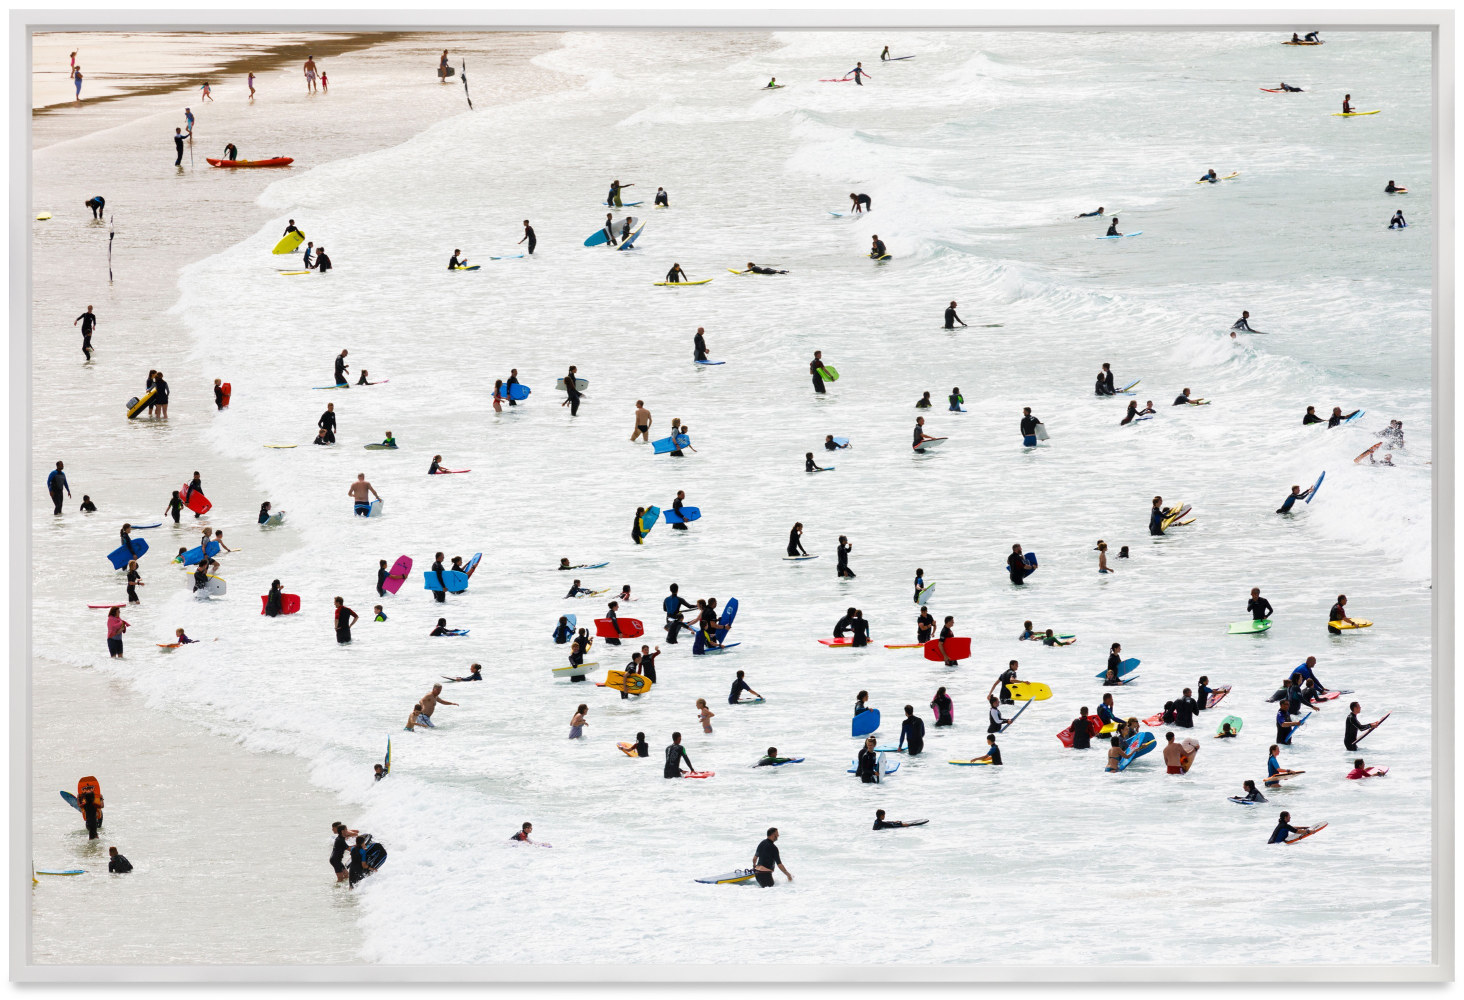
(1089, 215)
(756, 269)
(453, 263)
(809, 465)
(676, 275)
(1289, 90)
(1252, 793)
(1113, 227)
(1243, 323)
(1347, 104)
(877, 248)
(1398, 222)
(475, 673)
(1284, 827)
(1210, 176)
(924, 403)
(1227, 732)
(1339, 614)
(860, 202)
(663, 200)
(1359, 770)
(1049, 639)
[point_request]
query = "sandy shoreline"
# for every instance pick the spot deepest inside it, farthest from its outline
(250, 815)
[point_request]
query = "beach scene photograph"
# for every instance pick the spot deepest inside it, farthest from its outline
(727, 501)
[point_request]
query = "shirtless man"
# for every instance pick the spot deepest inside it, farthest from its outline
(359, 490)
(642, 421)
(432, 699)
(310, 73)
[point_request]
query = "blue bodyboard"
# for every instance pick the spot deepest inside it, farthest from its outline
(1315, 486)
(687, 514)
(119, 556)
(1125, 667)
(864, 723)
(454, 580)
(666, 445)
(194, 555)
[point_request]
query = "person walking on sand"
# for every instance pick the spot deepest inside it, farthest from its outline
(442, 67)
(642, 422)
(310, 74)
(206, 95)
(115, 627)
(251, 84)
(76, 78)
(88, 321)
(359, 491)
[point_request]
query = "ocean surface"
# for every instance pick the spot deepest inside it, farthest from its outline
(977, 154)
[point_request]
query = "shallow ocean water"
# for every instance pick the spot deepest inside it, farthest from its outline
(977, 154)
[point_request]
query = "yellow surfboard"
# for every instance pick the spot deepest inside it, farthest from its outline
(1355, 623)
(290, 243)
(1024, 690)
(141, 404)
(629, 683)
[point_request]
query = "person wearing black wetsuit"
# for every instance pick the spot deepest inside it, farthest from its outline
(1290, 501)
(533, 240)
(951, 319)
(1258, 606)
(88, 321)
(924, 625)
(117, 865)
(945, 713)
(1082, 730)
(663, 200)
(866, 767)
(699, 344)
(1156, 517)
(1337, 614)
(322, 262)
(675, 754)
(453, 263)
(1182, 398)
(1185, 709)
(860, 202)
(571, 391)
(344, 619)
(813, 367)
(1089, 215)
(327, 423)
(1028, 427)
(766, 858)
(338, 851)
(91, 813)
(675, 276)
(924, 403)
(912, 732)
(877, 248)
(1311, 417)
(341, 368)
(358, 869)
(1113, 227)
(1398, 222)
(757, 269)
(178, 138)
(844, 624)
(842, 569)
(440, 594)
(1017, 567)
(860, 629)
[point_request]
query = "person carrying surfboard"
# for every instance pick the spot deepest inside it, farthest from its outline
(1356, 729)
(814, 367)
(1007, 676)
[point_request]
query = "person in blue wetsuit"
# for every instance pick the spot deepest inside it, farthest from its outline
(575, 590)
(1089, 215)
(562, 631)
(858, 73)
(919, 583)
(56, 482)
(1106, 711)
(956, 399)
(1156, 517)
(1284, 725)
(912, 732)
(738, 686)
(1210, 176)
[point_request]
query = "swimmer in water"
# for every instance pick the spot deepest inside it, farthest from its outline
(1089, 215)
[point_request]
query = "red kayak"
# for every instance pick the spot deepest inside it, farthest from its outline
(273, 161)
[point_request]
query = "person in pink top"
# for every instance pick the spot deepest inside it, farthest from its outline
(115, 627)
(1361, 770)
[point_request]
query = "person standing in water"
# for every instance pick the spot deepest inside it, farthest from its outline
(571, 391)
(699, 344)
(310, 72)
(614, 197)
(858, 73)
(344, 619)
(795, 538)
(56, 482)
(814, 368)
(642, 421)
(359, 491)
(529, 236)
(951, 319)
(88, 321)
(675, 754)
(766, 857)
(843, 570)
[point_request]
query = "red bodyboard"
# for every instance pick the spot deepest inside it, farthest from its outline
(630, 628)
(958, 648)
(196, 502)
(289, 603)
(228, 390)
(1066, 736)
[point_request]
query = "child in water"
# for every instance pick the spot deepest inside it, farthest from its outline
(705, 715)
